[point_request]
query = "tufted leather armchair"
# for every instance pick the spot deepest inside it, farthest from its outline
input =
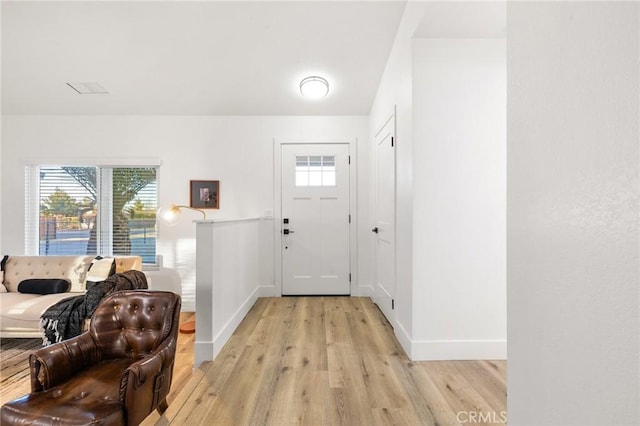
(116, 373)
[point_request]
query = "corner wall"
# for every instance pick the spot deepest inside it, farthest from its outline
(459, 199)
(573, 213)
(394, 91)
(450, 191)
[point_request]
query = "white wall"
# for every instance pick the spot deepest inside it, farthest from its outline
(573, 167)
(229, 265)
(459, 199)
(395, 92)
(238, 151)
(450, 189)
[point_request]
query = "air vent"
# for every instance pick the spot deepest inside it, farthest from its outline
(88, 88)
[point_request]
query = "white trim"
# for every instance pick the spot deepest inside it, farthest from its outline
(244, 219)
(403, 338)
(230, 326)
(277, 217)
(32, 212)
(99, 162)
(209, 350)
(458, 350)
(353, 205)
(449, 350)
(202, 351)
(104, 221)
(365, 291)
(437, 350)
(267, 291)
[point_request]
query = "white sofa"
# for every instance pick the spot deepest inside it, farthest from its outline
(19, 312)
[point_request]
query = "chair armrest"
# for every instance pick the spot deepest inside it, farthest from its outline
(146, 382)
(54, 364)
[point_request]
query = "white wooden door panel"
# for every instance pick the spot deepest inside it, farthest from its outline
(385, 285)
(315, 243)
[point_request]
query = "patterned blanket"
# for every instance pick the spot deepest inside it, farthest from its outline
(65, 319)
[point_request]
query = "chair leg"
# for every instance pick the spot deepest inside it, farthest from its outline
(162, 407)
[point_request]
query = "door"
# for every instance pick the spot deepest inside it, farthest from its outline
(315, 221)
(384, 230)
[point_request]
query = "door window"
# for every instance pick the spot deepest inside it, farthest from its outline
(315, 170)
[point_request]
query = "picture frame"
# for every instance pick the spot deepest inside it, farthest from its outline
(204, 194)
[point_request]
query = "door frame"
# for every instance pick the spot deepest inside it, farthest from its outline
(277, 205)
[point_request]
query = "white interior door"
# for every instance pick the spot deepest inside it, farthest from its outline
(385, 202)
(315, 221)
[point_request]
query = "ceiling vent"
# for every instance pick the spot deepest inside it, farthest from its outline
(88, 88)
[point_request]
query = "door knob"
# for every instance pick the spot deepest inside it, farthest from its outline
(376, 230)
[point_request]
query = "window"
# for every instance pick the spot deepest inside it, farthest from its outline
(75, 210)
(315, 170)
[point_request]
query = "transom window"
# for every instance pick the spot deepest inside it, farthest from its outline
(76, 210)
(315, 170)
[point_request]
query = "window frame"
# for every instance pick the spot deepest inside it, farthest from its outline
(32, 199)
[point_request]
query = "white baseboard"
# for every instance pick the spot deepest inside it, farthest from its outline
(267, 291)
(449, 350)
(364, 291)
(202, 351)
(403, 338)
(227, 330)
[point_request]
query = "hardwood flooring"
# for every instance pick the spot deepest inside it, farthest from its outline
(329, 361)
(14, 367)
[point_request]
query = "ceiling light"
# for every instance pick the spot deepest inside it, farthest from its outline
(88, 88)
(314, 87)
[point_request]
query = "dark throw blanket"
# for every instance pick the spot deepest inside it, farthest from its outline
(65, 319)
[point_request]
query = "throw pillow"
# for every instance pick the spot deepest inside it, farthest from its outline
(3, 289)
(100, 269)
(44, 286)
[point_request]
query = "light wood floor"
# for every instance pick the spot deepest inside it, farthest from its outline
(327, 361)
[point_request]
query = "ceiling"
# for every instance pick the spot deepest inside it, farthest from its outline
(194, 58)
(463, 19)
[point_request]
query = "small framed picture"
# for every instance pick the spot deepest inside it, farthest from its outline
(204, 194)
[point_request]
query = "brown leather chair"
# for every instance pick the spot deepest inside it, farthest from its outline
(116, 373)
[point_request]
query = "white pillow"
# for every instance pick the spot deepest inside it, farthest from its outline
(3, 289)
(101, 268)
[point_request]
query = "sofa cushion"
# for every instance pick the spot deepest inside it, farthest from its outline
(44, 286)
(90, 397)
(3, 289)
(20, 311)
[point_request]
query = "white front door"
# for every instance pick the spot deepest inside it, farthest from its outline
(315, 224)
(385, 202)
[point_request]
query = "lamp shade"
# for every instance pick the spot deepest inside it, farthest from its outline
(314, 87)
(170, 215)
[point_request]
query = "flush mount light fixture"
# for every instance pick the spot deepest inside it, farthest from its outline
(314, 87)
(88, 88)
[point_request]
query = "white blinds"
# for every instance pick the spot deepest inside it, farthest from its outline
(92, 210)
